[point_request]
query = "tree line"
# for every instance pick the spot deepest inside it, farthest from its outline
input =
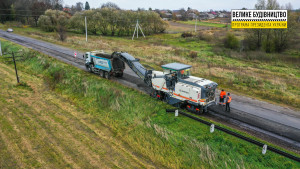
(272, 40)
(105, 21)
(26, 11)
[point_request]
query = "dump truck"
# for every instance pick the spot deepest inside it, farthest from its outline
(104, 64)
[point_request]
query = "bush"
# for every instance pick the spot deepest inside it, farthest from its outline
(231, 41)
(193, 54)
(204, 36)
(186, 34)
(178, 52)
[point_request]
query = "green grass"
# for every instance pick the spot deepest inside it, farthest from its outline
(141, 122)
(201, 23)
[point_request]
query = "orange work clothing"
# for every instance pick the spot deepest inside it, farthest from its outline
(222, 94)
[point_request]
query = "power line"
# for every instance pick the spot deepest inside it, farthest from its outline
(20, 10)
(117, 20)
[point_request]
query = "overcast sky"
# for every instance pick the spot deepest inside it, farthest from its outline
(201, 5)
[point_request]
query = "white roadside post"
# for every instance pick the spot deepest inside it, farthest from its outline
(176, 113)
(85, 29)
(212, 128)
(264, 150)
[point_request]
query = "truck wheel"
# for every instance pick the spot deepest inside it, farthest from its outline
(204, 110)
(101, 73)
(106, 75)
(88, 68)
(167, 98)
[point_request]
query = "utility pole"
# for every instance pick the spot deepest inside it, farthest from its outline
(137, 34)
(85, 29)
(137, 27)
(196, 25)
(13, 56)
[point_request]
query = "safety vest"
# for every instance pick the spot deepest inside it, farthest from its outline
(228, 99)
(222, 94)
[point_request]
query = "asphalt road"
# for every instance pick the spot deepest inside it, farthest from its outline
(273, 118)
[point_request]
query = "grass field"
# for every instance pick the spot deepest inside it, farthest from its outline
(62, 117)
(270, 77)
(204, 23)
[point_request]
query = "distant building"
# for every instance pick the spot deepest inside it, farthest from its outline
(192, 16)
(211, 16)
(66, 9)
(178, 16)
(168, 15)
(176, 11)
(203, 15)
(214, 13)
(221, 15)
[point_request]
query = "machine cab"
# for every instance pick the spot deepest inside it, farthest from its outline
(182, 71)
(87, 57)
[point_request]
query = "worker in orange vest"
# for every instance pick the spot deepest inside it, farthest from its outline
(228, 100)
(222, 97)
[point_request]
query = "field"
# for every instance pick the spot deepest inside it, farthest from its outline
(205, 23)
(271, 77)
(62, 117)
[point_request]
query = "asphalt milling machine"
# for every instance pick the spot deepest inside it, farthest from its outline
(174, 85)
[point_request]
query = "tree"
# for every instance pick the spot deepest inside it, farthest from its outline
(110, 5)
(5, 12)
(117, 22)
(87, 6)
(38, 8)
(52, 19)
(271, 40)
(184, 14)
(79, 6)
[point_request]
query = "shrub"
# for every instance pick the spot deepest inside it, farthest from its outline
(204, 36)
(186, 34)
(178, 52)
(193, 54)
(231, 41)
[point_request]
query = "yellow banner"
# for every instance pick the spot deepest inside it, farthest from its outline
(259, 24)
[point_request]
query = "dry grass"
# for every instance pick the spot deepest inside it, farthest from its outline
(42, 129)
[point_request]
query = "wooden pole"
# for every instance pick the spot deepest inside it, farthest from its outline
(13, 55)
(0, 49)
(85, 29)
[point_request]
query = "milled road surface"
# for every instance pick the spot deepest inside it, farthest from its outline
(282, 121)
